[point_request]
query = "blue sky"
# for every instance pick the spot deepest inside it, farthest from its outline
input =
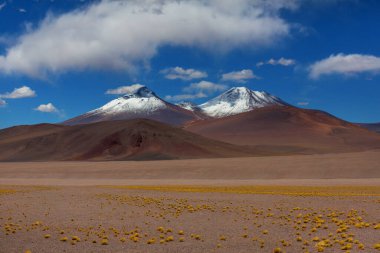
(58, 58)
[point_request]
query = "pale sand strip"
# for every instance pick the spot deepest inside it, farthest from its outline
(215, 182)
(330, 169)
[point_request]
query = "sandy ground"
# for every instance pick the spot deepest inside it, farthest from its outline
(361, 165)
(298, 204)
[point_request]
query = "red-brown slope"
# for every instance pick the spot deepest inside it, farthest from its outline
(288, 128)
(110, 140)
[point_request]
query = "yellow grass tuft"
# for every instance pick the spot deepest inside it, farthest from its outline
(6, 191)
(63, 239)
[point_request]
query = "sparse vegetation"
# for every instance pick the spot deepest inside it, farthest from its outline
(161, 218)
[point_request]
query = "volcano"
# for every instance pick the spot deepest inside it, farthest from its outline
(139, 104)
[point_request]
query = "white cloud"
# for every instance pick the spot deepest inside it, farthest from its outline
(2, 103)
(22, 10)
(201, 89)
(282, 61)
(205, 86)
(184, 74)
(285, 62)
(345, 64)
(48, 108)
(22, 92)
(125, 89)
(123, 34)
(184, 97)
(239, 76)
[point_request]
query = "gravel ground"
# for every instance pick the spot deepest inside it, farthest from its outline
(40, 219)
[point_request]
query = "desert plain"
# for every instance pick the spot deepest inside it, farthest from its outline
(298, 203)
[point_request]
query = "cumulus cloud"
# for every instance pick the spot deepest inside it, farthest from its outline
(239, 76)
(184, 74)
(346, 64)
(123, 34)
(201, 89)
(125, 89)
(282, 61)
(205, 86)
(48, 108)
(22, 92)
(2, 103)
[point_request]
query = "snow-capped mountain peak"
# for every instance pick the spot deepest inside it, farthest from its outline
(142, 100)
(237, 100)
(139, 102)
(140, 92)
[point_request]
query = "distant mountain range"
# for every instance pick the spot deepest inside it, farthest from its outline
(142, 126)
(144, 103)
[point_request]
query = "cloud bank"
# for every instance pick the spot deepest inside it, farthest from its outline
(345, 64)
(121, 34)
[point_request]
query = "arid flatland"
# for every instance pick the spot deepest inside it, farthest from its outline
(189, 219)
(314, 203)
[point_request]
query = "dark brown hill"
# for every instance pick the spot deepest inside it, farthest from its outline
(109, 140)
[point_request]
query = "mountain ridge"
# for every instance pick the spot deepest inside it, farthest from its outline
(144, 103)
